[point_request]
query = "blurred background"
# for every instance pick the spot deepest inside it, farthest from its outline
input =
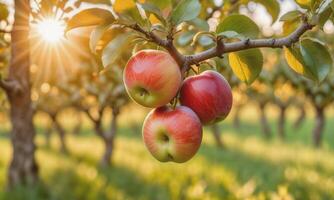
(277, 143)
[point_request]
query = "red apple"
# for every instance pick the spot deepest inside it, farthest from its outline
(152, 78)
(209, 95)
(172, 134)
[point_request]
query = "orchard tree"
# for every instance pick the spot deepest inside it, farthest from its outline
(48, 99)
(23, 168)
(261, 94)
(93, 94)
(16, 82)
(160, 23)
(283, 97)
(321, 97)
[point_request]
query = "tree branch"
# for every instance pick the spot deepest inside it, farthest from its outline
(185, 61)
(165, 43)
(5, 85)
(10, 85)
(250, 44)
(88, 114)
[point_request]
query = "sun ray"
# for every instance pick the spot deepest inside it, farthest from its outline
(51, 30)
(56, 58)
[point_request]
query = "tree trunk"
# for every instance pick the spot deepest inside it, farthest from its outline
(300, 118)
(78, 126)
(48, 133)
(264, 121)
(109, 139)
(61, 133)
(23, 168)
(105, 160)
(281, 122)
(216, 133)
(236, 118)
(319, 126)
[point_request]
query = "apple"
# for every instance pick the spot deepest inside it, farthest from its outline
(152, 78)
(172, 134)
(209, 95)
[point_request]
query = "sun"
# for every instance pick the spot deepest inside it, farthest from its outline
(51, 30)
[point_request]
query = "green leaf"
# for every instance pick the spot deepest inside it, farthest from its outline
(186, 10)
(200, 24)
(130, 12)
(324, 16)
(290, 26)
(295, 60)
(160, 4)
(307, 4)
(152, 9)
(231, 34)
(290, 16)
(96, 36)
(123, 5)
(3, 11)
(311, 60)
(90, 17)
(246, 64)
(272, 7)
(324, 5)
(240, 24)
(185, 38)
(204, 42)
(115, 48)
(316, 57)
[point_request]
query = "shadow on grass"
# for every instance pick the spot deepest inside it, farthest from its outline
(38, 191)
(268, 175)
(70, 184)
(115, 182)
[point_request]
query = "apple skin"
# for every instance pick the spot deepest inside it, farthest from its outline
(209, 95)
(172, 135)
(152, 78)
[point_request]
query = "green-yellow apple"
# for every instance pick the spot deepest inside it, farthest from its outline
(209, 95)
(172, 134)
(152, 78)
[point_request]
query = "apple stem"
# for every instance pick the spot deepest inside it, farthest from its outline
(174, 101)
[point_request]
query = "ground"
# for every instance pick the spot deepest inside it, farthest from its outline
(250, 167)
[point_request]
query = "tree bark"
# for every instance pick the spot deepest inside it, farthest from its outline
(319, 126)
(264, 121)
(109, 139)
(216, 134)
(300, 118)
(61, 133)
(78, 126)
(281, 122)
(23, 167)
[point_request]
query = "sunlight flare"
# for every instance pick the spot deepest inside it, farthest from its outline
(51, 30)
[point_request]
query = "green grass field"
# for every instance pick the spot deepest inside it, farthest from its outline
(249, 168)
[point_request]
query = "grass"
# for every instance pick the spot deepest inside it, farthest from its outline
(249, 168)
